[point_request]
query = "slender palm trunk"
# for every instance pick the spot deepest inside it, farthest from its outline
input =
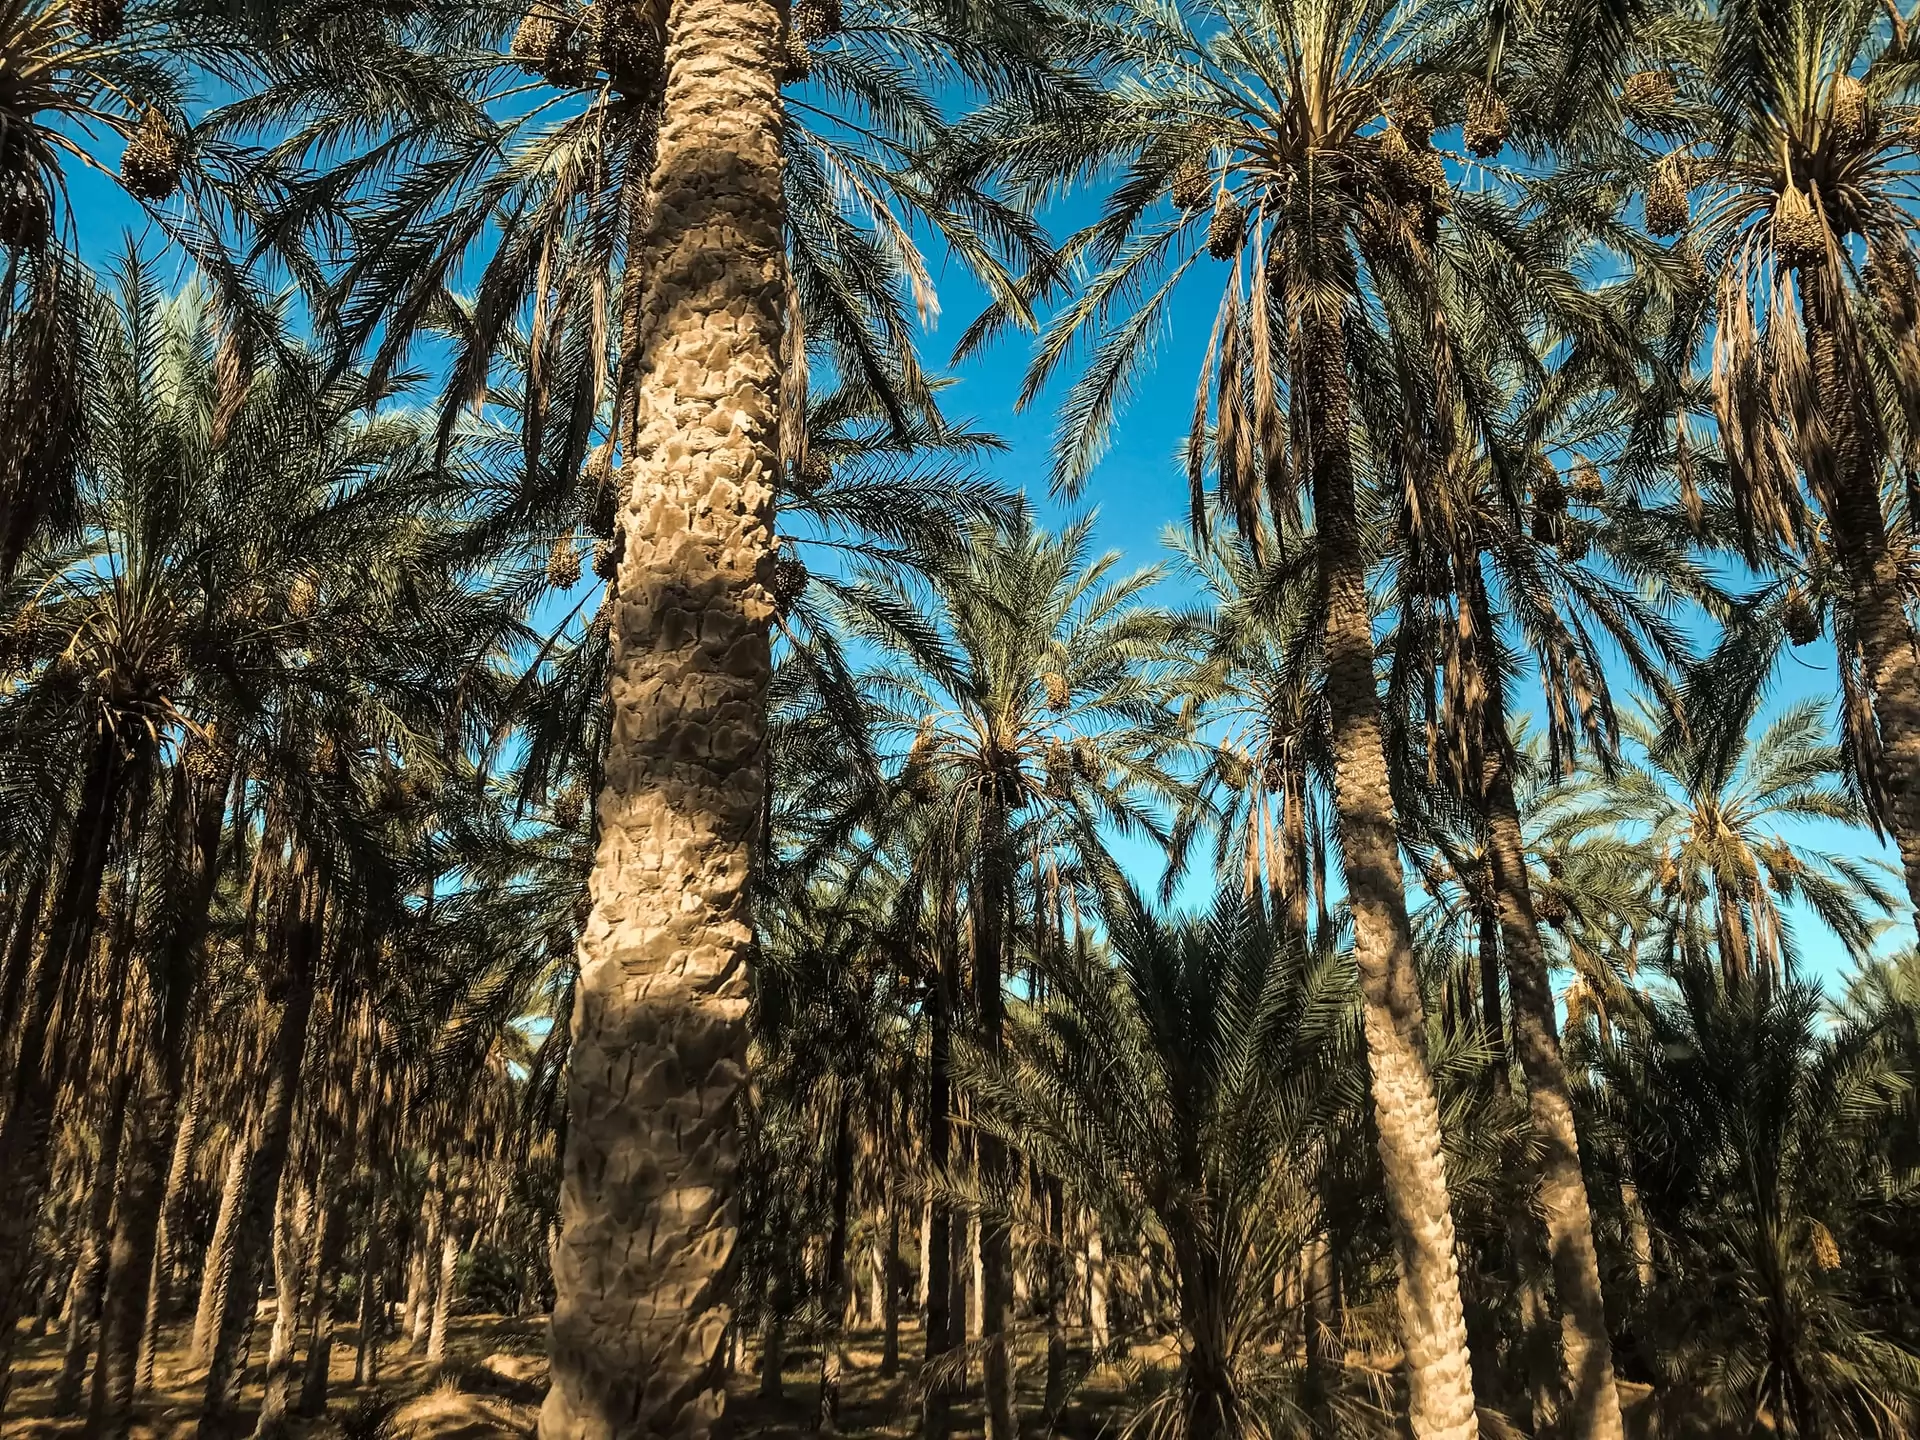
(253, 1231)
(19, 958)
(995, 1234)
(96, 1246)
(447, 1264)
(160, 1146)
(936, 1420)
(26, 1136)
(659, 1027)
(1097, 1282)
(890, 1288)
(1586, 1349)
(216, 1269)
(329, 1250)
(1876, 591)
(294, 1216)
(834, 1291)
(1432, 1321)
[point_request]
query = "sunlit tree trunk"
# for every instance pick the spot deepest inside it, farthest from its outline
(1432, 1321)
(217, 1267)
(659, 1025)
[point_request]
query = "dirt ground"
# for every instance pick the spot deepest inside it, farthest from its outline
(490, 1389)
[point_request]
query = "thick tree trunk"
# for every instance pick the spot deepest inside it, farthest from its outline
(26, 1136)
(216, 1270)
(165, 1277)
(1432, 1322)
(659, 1027)
(1586, 1350)
(1876, 595)
(254, 1229)
(424, 1295)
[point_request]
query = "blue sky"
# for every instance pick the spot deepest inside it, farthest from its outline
(1137, 489)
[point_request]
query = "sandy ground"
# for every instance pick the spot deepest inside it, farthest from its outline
(491, 1386)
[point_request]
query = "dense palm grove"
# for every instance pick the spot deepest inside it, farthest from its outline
(546, 773)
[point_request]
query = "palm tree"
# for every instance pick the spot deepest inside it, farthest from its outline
(1792, 120)
(1026, 672)
(1274, 111)
(1715, 818)
(1189, 1089)
(1752, 1119)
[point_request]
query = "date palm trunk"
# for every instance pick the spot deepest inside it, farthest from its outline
(160, 1145)
(216, 1269)
(115, 776)
(659, 1026)
(995, 1266)
(834, 1291)
(1858, 531)
(329, 1250)
(1586, 1350)
(253, 1230)
(937, 1276)
(1432, 1320)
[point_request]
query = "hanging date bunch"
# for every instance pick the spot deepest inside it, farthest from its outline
(150, 165)
(809, 23)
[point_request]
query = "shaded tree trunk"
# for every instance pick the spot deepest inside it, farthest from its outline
(1432, 1320)
(113, 776)
(938, 1276)
(659, 1025)
(162, 1126)
(995, 1233)
(827, 1414)
(254, 1228)
(426, 1297)
(1586, 1349)
(329, 1250)
(890, 1290)
(289, 1282)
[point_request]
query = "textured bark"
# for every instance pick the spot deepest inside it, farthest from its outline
(1587, 1352)
(994, 1267)
(26, 1136)
(288, 1284)
(1326, 1350)
(329, 1249)
(447, 1266)
(423, 1282)
(890, 1290)
(834, 1297)
(96, 1246)
(19, 959)
(217, 1268)
(253, 1231)
(659, 1025)
(1876, 595)
(159, 1113)
(1639, 1237)
(1432, 1322)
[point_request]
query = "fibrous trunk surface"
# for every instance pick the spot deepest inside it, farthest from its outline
(659, 1035)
